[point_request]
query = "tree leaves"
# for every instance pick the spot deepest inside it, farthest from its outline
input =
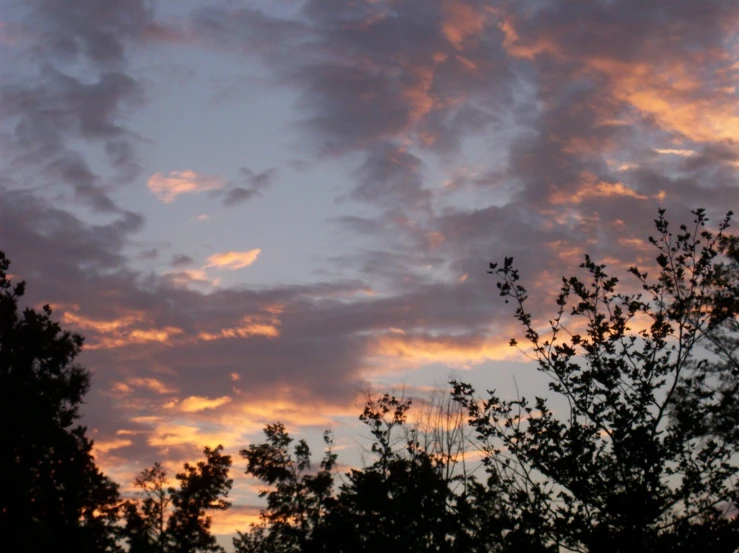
(50, 489)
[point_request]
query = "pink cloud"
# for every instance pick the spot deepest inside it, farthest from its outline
(233, 260)
(167, 187)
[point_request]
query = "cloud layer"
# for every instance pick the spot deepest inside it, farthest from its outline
(426, 138)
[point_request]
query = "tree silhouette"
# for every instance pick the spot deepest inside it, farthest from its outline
(146, 529)
(51, 492)
(643, 458)
(298, 502)
(639, 456)
(175, 520)
(203, 488)
(404, 501)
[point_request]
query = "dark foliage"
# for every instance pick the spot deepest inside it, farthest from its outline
(402, 502)
(51, 492)
(638, 456)
(176, 520)
(298, 501)
(634, 450)
(146, 520)
(643, 455)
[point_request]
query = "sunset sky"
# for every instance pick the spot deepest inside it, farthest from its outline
(251, 207)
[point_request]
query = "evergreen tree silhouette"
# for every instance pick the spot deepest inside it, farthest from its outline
(52, 494)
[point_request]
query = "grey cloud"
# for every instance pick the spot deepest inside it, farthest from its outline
(325, 327)
(82, 91)
(353, 72)
(260, 180)
(180, 260)
(352, 64)
(654, 30)
(59, 105)
(370, 73)
(255, 184)
(391, 175)
(239, 195)
(96, 31)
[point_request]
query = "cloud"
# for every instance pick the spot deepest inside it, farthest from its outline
(187, 278)
(675, 152)
(394, 350)
(264, 325)
(572, 123)
(73, 29)
(168, 187)
(677, 78)
(152, 384)
(236, 518)
(124, 331)
(181, 259)
(193, 404)
(255, 183)
(591, 189)
(72, 95)
(391, 175)
(110, 445)
(233, 260)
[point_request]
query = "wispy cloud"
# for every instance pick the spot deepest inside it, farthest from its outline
(168, 187)
(193, 404)
(233, 260)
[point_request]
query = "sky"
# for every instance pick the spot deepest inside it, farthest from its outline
(251, 209)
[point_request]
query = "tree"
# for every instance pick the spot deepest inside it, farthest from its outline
(440, 427)
(51, 491)
(146, 529)
(170, 520)
(642, 457)
(404, 501)
(298, 500)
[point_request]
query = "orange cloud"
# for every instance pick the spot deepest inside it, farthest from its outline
(419, 94)
(674, 152)
(673, 96)
(243, 331)
(85, 323)
(119, 332)
(196, 421)
(462, 21)
(435, 239)
(189, 277)
(237, 518)
(167, 187)
(266, 325)
(193, 404)
(525, 49)
(592, 188)
(151, 384)
(290, 412)
(418, 350)
(167, 435)
(671, 93)
(110, 445)
(233, 260)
